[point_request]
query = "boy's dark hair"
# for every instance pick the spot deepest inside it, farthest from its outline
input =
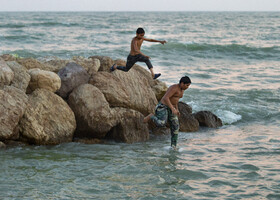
(185, 80)
(140, 31)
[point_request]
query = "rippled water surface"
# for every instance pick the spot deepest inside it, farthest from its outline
(233, 60)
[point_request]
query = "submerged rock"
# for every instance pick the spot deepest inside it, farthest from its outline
(208, 119)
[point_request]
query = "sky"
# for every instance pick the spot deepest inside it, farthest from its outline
(139, 5)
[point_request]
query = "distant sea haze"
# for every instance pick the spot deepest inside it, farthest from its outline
(233, 60)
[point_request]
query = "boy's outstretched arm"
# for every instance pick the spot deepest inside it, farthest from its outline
(152, 40)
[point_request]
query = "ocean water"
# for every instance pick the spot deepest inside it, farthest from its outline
(233, 59)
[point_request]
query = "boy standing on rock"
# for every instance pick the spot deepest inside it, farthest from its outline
(167, 108)
(136, 55)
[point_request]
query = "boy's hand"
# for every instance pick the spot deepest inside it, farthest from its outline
(163, 42)
(148, 57)
(175, 111)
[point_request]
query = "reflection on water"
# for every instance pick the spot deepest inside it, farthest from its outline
(231, 162)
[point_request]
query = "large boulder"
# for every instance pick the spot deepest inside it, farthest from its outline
(93, 114)
(48, 120)
(105, 62)
(31, 63)
(113, 89)
(6, 74)
(72, 76)
(158, 87)
(12, 107)
(41, 79)
(141, 96)
(208, 119)
(130, 128)
(22, 78)
(186, 120)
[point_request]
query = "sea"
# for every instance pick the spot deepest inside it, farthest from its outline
(233, 60)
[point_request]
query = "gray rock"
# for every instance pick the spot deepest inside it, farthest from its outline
(72, 76)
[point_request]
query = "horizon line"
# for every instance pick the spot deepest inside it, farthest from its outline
(139, 11)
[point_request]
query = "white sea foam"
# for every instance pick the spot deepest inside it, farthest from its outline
(228, 117)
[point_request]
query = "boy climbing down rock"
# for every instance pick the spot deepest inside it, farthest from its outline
(167, 108)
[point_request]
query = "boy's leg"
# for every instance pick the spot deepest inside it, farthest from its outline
(131, 60)
(160, 116)
(174, 128)
(142, 58)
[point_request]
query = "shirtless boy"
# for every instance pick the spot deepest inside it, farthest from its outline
(167, 108)
(136, 55)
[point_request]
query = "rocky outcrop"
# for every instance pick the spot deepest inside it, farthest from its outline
(72, 76)
(47, 120)
(22, 78)
(94, 116)
(130, 127)
(98, 104)
(41, 79)
(6, 74)
(208, 119)
(12, 107)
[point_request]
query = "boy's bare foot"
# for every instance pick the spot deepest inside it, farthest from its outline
(147, 118)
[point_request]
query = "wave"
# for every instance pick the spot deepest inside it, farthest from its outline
(39, 24)
(218, 49)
